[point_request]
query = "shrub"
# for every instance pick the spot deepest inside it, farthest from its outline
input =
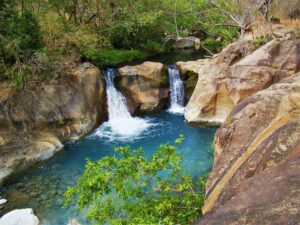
(259, 41)
(113, 57)
(20, 38)
(133, 189)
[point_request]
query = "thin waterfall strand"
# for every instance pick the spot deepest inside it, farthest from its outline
(177, 91)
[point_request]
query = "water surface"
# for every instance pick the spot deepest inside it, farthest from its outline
(42, 188)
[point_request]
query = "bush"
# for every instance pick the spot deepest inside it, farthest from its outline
(113, 58)
(132, 189)
(20, 38)
(259, 41)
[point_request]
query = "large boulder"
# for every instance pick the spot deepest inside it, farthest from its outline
(255, 178)
(20, 217)
(238, 72)
(34, 123)
(145, 87)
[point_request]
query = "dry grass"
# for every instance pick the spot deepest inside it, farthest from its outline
(291, 23)
(259, 29)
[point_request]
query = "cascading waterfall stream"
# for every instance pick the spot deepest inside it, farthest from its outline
(177, 91)
(121, 125)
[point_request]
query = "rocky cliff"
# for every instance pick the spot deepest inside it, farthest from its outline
(35, 123)
(145, 87)
(238, 72)
(255, 178)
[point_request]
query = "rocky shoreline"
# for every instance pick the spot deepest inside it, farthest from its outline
(69, 108)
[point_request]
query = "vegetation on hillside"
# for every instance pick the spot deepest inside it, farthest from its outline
(132, 189)
(109, 32)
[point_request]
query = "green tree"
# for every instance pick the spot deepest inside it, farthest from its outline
(133, 189)
(20, 38)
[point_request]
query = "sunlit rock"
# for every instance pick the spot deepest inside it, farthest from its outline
(20, 217)
(145, 87)
(238, 72)
(255, 177)
(64, 109)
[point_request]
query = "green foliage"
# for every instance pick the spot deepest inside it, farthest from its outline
(259, 41)
(130, 25)
(20, 35)
(107, 32)
(229, 120)
(133, 189)
(113, 57)
(20, 38)
(61, 122)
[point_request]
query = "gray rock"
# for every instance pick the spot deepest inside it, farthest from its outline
(187, 43)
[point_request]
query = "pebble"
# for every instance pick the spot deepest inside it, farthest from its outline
(52, 192)
(33, 194)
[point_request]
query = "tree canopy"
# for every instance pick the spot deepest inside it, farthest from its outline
(110, 32)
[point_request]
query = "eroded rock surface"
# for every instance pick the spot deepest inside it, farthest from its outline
(35, 123)
(255, 178)
(145, 87)
(238, 72)
(189, 74)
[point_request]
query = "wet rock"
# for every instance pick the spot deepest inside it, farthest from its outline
(73, 222)
(33, 194)
(53, 193)
(18, 199)
(43, 197)
(19, 217)
(54, 178)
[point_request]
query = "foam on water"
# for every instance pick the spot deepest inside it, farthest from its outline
(176, 109)
(121, 125)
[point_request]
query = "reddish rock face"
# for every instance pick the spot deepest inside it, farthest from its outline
(256, 173)
(238, 72)
(145, 87)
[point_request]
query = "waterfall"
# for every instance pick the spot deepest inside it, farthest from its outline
(117, 108)
(177, 91)
(121, 125)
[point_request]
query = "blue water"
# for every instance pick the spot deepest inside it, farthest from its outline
(43, 187)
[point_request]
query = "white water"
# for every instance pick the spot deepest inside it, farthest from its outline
(177, 91)
(121, 125)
